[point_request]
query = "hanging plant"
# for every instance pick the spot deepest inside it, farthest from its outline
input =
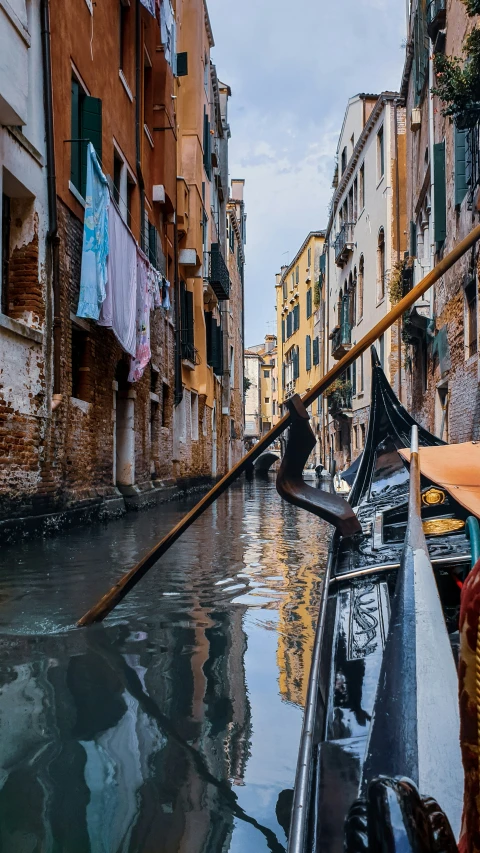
(458, 81)
(316, 293)
(395, 285)
(472, 6)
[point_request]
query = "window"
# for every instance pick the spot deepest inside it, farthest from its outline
(289, 323)
(123, 24)
(123, 187)
(309, 258)
(296, 318)
(309, 303)
(187, 335)
(440, 199)
(344, 160)
(86, 126)
(147, 94)
(274, 408)
(471, 319)
(308, 353)
(293, 281)
(207, 145)
(362, 433)
(361, 188)
(266, 374)
(194, 415)
(232, 367)
(283, 330)
(460, 165)
(284, 288)
(267, 399)
(80, 368)
(354, 378)
(355, 437)
(380, 154)
(381, 354)
(360, 375)
(360, 289)
(316, 351)
(355, 200)
(22, 295)
(297, 274)
(381, 265)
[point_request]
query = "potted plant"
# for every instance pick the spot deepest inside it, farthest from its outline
(458, 80)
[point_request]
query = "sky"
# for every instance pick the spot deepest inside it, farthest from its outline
(292, 67)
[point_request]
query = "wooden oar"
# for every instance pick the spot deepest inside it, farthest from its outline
(131, 578)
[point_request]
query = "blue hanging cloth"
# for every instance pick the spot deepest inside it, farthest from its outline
(93, 277)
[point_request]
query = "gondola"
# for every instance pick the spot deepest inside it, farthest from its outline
(379, 754)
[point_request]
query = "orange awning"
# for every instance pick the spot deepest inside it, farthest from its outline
(456, 468)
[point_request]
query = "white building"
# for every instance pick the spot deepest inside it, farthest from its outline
(253, 408)
(365, 239)
(25, 371)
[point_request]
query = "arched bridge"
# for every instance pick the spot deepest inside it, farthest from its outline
(265, 461)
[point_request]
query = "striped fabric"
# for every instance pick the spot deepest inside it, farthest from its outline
(469, 696)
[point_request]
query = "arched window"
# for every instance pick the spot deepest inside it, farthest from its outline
(360, 289)
(381, 265)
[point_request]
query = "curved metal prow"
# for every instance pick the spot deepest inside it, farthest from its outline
(291, 485)
(415, 729)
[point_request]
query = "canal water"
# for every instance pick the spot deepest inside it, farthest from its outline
(173, 727)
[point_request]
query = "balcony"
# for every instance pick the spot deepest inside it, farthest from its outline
(340, 400)
(436, 17)
(218, 274)
(341, 340)
(190, 355)
(344, 244)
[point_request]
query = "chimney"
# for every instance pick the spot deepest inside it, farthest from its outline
(237, 189)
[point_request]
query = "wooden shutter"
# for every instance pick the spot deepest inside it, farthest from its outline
(75, 145)
(309, 303)
(469, 155)
(289, 323)
(440, 192)
(354, 378)
(283, 330)
(215, 353)
(316, 351)
(208, 335)
(460, 166)
(182, 64)
(283, 374)
(297, 362)
(308, 352)
(207, 146)
(91, 130)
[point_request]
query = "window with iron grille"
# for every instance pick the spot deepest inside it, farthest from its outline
(187, 338)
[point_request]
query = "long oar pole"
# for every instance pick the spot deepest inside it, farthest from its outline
(131, 578)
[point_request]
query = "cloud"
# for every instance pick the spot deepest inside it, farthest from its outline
(292, 68)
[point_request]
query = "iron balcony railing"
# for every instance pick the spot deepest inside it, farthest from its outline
(436, 17)
(340, 401)
(341, 340)
(344, 243)
(190, 353)
(218, 274)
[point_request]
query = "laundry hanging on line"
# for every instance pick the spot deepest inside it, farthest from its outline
(95, 249)
(119, 308)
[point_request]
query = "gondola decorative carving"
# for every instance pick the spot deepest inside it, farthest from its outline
(291, 485)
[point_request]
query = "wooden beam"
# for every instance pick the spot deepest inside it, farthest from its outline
(98, 612)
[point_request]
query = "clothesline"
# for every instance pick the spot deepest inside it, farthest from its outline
(118, 285)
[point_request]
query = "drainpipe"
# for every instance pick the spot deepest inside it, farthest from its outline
(52, 235)
(138, 83)
(431, 140)
(325, 346)
(397, 237)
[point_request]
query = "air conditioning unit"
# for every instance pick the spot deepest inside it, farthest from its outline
(416, 119)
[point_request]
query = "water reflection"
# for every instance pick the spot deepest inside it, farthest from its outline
(175, 725)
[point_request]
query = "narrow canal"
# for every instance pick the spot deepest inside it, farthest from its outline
(174, 726)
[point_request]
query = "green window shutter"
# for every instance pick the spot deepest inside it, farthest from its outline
(218, 349)
(413, 240)
(297, 363)
(283, 331)
(289, 324)
(75, 173)
(323, 259)
(354, 378)
(152, 244)
(440, 192)
(182, 64)
(296, 318)
(469, 157)
(460, 166)
(316, 351)
(308, 352)
(215, 354)
(91, 131)
(208, 335)
(283, 374)
(309, 303)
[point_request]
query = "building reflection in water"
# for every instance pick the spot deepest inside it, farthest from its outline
(134, 736)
